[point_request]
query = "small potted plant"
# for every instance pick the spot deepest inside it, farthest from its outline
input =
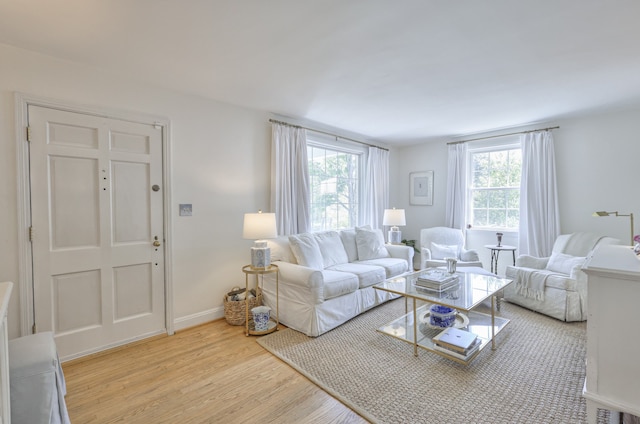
(410, 243)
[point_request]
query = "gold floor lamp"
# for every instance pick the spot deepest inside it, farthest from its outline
(630, 215)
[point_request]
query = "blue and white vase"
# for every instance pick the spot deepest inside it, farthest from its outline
(261, 317)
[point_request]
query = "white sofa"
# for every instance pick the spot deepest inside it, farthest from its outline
(326, 278)
(555, 285)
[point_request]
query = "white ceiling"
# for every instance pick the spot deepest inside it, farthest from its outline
(397, 71)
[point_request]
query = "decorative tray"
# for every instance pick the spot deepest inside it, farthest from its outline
(271, 326)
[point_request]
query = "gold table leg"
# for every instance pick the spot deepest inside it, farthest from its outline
(493, 322)
(415, 329)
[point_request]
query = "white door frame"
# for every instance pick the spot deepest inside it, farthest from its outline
(25, 271)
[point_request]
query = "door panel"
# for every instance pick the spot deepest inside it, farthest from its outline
(133, 282)
(69, 314)
(74, 181)
(98, 278)
(131, 220)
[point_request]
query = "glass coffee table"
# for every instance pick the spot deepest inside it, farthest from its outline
(471, 290)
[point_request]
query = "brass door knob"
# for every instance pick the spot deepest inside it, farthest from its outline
(156, 242)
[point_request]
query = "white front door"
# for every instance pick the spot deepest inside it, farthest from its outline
(97, 229)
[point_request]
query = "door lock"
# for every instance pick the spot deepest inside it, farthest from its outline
(156, 242)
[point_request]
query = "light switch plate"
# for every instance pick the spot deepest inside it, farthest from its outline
(185, 209)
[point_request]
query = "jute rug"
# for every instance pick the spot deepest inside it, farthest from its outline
(536, 375)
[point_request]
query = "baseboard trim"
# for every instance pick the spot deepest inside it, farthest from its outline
(198, 318)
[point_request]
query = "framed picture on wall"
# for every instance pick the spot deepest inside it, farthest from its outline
(421, 188)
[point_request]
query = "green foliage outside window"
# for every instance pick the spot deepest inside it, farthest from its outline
(334, 183)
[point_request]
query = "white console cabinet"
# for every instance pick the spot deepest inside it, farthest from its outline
(613, 331)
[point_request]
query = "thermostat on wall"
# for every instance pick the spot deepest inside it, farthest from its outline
(185, 209)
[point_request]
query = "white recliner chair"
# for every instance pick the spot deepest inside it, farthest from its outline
(556, 285)
(438, 243)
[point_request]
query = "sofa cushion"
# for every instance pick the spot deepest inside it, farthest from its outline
(306, 250)
(338, 283)
(563, 263)
(442, 251)
(331, 248)
(368, 275)
(348, 238)
(370, 244)
(392, 266)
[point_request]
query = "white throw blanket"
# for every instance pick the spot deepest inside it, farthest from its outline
(531, 283)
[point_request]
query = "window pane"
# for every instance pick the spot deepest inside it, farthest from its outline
(480, 199)
(497, 218)
(495, 188)
(513, 199)
(513, 218)
(334, 188)
(480, 170)
(480, 217)
(497, 199)
(499, 166)
(515, 167)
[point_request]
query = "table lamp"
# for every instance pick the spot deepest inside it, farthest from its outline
(394, 217)
(630, 215)
(260, 226)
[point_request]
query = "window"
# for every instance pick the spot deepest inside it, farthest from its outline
(494, 186)
(334, 174)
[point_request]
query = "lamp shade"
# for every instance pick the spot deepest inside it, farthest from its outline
(394, 217)
(259, 226)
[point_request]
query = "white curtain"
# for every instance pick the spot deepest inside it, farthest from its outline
(376, 187)
(290, 179)
(539, 217)
(457, 186)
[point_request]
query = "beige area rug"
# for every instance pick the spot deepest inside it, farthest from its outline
(536, 374)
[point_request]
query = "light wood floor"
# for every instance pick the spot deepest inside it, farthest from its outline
(207, 374)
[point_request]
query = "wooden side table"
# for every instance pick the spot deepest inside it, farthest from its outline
(495, 253)
(273, 324)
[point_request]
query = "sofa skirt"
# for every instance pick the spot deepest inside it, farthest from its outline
(316, 319)
(560, 304)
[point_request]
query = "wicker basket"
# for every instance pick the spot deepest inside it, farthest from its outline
(235, 312)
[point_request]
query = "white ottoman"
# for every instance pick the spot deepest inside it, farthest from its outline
(36, 381)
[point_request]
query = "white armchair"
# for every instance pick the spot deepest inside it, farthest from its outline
(438, 243)
(555, 285)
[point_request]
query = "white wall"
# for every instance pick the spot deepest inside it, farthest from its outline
(596, 162)
(221, 165)
(221, 157)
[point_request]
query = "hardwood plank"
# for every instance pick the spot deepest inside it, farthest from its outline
(207, 374)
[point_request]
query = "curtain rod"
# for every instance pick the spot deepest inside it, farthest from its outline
(325, 133)
(503, 135)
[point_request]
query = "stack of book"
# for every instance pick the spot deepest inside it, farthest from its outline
(436, 279)
(458, 343)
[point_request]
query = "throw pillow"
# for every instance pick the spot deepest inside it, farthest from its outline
(370, 244)
(306, 250)
(442, 251)
(281, 249)
(349, 242)
(331, 248)
(563, 263)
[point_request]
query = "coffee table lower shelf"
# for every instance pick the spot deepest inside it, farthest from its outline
(404, 329)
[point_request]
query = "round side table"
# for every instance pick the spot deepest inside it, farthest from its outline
(495, 253)
(273, 323)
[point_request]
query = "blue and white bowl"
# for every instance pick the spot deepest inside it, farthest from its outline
(442, 316)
